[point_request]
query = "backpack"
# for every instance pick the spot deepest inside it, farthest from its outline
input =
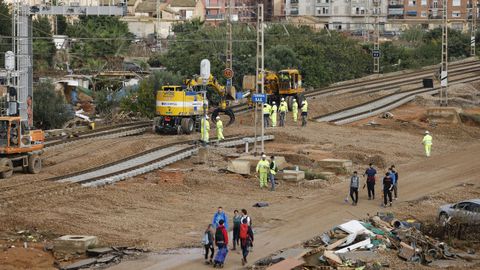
(205, 240)
(243, 231)
(219, 236)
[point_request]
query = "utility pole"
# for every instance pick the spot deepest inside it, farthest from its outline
(260, 73)
(366, 34)
(473, 27)
(159, 37)
(376, 44)
(229, 48)
(444, 68)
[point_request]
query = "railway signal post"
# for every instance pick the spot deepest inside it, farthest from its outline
(473, 26)
(444, 67)
(260, 72)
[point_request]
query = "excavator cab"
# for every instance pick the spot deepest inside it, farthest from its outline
(290, 82)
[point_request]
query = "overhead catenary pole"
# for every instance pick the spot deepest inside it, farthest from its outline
(444, 67)
(260, 73)
(473, 26)
(376, 43)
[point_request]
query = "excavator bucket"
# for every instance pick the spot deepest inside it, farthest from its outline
(228, 112)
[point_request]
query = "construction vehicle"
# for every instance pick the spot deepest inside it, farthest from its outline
(286, 83)
(19, 145)
(180, 108)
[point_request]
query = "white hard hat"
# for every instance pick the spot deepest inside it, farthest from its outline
(283, 99)
(294, 99)
(218, 117)
(273, 102)
(206, 117)
(264, 156)
(426, 132)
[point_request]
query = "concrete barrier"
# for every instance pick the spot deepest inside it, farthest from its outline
(444, 115)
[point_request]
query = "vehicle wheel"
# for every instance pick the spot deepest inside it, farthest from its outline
(300, 99)
(8, 165)
(443, 217)
(34, 164)
(289, 102)
(187, 125)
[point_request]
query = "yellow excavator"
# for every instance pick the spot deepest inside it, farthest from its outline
(179, 108)
(286, 83)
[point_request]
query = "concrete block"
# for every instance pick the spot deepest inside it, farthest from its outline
(332, 163)
(287, 264)
(70, 244)
(444, 115)
(296, 253)
(316, 183)
(203, 155)
(80, 264)
(239, 166)
(252, 160)
(293, 176)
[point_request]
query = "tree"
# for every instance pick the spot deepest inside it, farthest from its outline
(62, 24)
(43, 46)
(142, 100)
(49, 108)
(5, 31)
(281, 57)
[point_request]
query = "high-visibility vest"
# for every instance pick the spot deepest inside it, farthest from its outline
(263, 166)
(427, 140)
(219, 125)
(205, 124)
(274, 169)
(283, 106)
(266, 109)
(295, 106)
(305, 106)
(274, 109)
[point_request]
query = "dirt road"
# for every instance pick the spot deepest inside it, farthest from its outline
(306, 217)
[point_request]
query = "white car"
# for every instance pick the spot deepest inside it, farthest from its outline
(465, 211)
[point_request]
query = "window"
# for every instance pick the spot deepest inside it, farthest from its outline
(456, 3)
(323, 1)
(293, 1)
(412, 3)
(294, 11)
(435, 4)
(455, 14)
(423, 14)
(424, 3)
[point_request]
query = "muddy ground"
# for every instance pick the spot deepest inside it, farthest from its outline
(171, 207)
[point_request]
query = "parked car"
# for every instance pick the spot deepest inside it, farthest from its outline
(465, 211)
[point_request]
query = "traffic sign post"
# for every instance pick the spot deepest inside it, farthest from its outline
(376, 53)
(259, 98)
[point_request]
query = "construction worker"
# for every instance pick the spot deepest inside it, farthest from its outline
(266, 114)
(283, 109)
(273, 171)
(205, 129)
(304, 112)
(295, 110)
(273, 114)
(263, 168)
(219, 129)
(427, 142)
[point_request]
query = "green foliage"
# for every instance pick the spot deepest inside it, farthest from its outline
(279, 57)
(90, 29)
(5, 30)
(142, 100)
(415, 34)
(49, 108)
(62, 25)
(43, 46)
(104, 102)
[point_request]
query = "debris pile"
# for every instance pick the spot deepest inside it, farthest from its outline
(369, 244)
(103, 257)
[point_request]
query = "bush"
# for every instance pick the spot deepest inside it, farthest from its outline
(49, 108)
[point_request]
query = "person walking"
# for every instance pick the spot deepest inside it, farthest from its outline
(283, 109)
(395, 185)
(208, 240)
(246, 217)
(393, 177)
(263, 167)
(246, 239)
(237, 221)
(267, 109)
(219, 127)
(354, 184)
(427, 143)
(220, 215)
(273, 114)
(221, 241)
(370, 173)
(304, 108)
(205, 129)
(387, 189)
(273, 171)
(295, 110)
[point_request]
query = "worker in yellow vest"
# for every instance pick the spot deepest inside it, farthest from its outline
(304, 112)
(219, 129)
(295, 110)
(273, 171)
(427, 143)
(273, 114)
(266, 114)
(283, 109)
(205, 129)
(263, 168)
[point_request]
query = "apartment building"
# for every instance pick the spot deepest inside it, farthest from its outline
(339, 14)
(428, 13)
(243, 10)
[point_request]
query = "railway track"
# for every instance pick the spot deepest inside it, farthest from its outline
(385, 103)
(386, 83)
(113, 172)
(117, 131)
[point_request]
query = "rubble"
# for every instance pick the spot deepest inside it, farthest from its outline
(364, 244)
